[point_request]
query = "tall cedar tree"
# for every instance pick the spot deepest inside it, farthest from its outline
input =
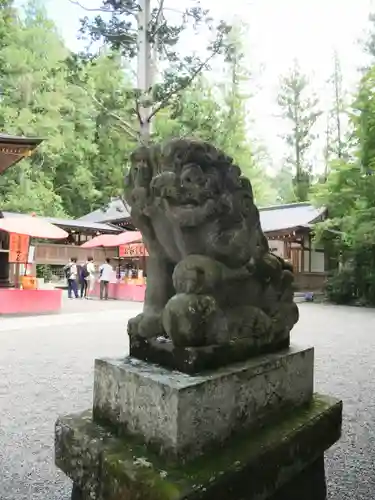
(299, 107)
(162, 69)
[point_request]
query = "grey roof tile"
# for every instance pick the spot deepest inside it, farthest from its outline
(273, 218)
(21, 140)
(281, 217)
(115, 210)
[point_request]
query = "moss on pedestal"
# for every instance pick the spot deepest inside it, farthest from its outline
(257, 463)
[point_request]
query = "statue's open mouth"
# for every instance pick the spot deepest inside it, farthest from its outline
(191, 212)
(183, 200)
(188, 205)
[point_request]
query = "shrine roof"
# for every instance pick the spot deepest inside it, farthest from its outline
(273, 218)
(21, 140)
(293, 215)
(14, 148)
(114, 211)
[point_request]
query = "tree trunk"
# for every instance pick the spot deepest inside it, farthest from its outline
(145, 69)
(337, 83)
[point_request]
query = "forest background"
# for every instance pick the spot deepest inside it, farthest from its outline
(83, 103)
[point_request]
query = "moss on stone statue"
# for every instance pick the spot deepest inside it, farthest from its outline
(261, 461)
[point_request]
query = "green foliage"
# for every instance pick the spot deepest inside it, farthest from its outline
(44, 271)
(336, 147)
(218, 114)
(79, 166)
(119, 23)
(283, 185)
(369, 44)
(83, 108)
(341, 287)
(349, 195)
(300, 108)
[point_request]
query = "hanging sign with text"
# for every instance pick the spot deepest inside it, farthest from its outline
(132, 250)
(18, 248)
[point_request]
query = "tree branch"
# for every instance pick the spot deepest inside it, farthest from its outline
(107, 34)
(182, 12)
(159, 17)
(100, 9)
(88, 9)
(175, 91)
(138, 111)
(124, 124)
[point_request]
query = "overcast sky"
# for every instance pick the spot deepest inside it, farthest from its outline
(279, 31)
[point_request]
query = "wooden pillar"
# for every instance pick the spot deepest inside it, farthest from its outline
(4, 259)
(286, 250)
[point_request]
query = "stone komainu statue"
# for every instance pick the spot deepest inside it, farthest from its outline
(212, 284)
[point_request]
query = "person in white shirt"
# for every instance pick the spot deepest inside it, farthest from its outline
(105, 273)
(89, 276)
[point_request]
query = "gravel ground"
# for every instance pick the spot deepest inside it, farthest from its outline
(46, 370)
(344, 340)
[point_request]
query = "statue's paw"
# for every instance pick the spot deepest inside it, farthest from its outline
(189, 319)
(291, 313)
(145, 325)
(249, 322)
(285, 317)
(287, 279)
(197, 274)
(164, 185)
(287, 296)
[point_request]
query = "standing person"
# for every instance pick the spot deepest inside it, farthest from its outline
(90, 277)
(83, 273)
(71, 273)
(105, 273)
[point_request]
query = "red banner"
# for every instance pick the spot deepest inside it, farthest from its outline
(18, 248)
(132, 250)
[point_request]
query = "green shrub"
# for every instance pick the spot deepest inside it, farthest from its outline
(44, 271)
(341, 287)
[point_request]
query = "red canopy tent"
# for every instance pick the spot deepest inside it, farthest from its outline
(129, 237)
(111, 240)
(130, 245)
(103, 240)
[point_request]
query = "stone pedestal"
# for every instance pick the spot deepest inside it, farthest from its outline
(182, 415)
(250, 431)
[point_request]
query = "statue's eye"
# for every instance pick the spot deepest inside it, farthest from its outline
(192, 174)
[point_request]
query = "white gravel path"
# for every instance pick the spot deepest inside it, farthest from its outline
(46, 369)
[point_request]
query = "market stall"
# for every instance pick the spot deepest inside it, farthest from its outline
(129, 277)
(25, 297)
(12, 150)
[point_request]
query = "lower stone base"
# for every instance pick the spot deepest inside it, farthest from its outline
(311, 483)
(281, 462)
